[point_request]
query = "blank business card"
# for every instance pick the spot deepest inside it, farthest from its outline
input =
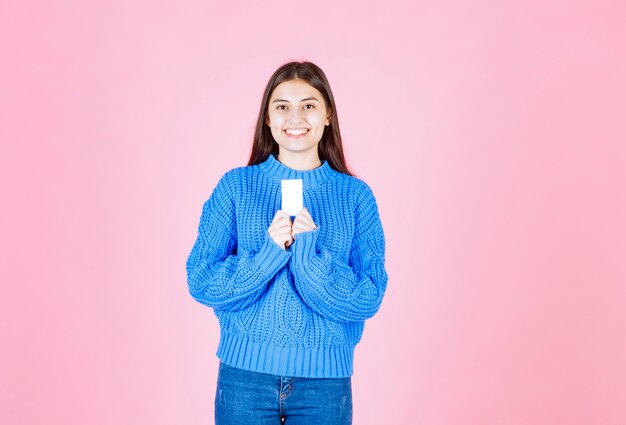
(292, 201)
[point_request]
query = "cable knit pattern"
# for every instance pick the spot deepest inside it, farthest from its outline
(297, 311)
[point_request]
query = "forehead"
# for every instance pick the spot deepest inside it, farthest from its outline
(295, 90)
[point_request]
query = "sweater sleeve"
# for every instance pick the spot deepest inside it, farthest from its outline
(344, 292)
(220, 276)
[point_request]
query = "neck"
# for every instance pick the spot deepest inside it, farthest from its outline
(311, 177)
(300, 161)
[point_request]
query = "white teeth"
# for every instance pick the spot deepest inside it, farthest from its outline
(296, 132)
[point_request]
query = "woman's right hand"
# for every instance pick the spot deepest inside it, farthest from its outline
(280, 229)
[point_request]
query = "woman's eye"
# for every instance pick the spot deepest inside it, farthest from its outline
(280, 107)
(311, 106)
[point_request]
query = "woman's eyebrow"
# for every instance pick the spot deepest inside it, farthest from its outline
(303, 100)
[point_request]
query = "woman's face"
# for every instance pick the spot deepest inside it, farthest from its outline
(297, 116)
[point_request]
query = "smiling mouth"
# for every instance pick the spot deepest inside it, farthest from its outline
(296, 132)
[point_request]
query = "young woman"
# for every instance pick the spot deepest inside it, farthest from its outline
(291, 296)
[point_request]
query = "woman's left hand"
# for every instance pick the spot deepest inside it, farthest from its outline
(302, 223)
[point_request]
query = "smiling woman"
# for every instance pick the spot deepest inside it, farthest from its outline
(297, 117)
(291, 297)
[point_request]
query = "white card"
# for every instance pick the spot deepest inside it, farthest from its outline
(292, 196)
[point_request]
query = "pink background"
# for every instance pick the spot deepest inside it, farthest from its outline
(493, 134)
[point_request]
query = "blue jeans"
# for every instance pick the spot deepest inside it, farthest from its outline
(244, 397)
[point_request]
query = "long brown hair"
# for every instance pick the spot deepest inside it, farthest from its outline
(329, 147)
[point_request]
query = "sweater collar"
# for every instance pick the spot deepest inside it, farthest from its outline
(310, 178)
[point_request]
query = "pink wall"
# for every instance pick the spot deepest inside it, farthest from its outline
(492, 132)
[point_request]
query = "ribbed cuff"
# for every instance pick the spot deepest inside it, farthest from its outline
(271, 258)
(323, 362)
(304, 246)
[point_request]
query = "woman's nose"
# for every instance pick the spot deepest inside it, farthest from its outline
(296, 114)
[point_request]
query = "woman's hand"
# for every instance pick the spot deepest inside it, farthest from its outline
(280, 229)
(303, 223)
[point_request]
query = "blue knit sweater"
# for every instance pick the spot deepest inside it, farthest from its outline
(298, 311)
